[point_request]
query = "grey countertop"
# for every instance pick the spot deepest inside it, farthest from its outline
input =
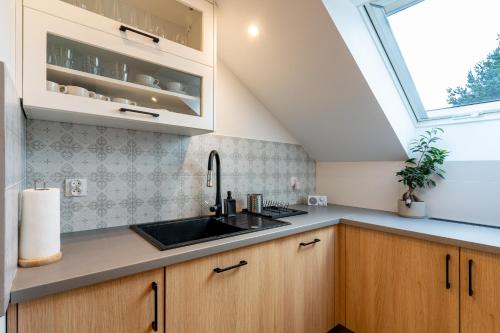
(100, 255)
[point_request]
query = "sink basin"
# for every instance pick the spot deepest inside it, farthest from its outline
(171, 234)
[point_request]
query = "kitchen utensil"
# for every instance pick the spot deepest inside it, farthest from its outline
(175, 86)
(254, 203)
(77, 91)
(55, 87)
(147, 80)
(123, 101)
(99, 96)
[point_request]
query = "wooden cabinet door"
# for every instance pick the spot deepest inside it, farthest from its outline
(308, 299)
(480, 309)
(122, 305)
(398, 284)
(241, 299)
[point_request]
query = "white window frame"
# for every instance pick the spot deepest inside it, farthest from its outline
(375, 14)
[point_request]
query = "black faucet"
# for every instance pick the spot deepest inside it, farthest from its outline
(217, 208)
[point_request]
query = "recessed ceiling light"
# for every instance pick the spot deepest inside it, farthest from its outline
(154, 99)
(253, 30)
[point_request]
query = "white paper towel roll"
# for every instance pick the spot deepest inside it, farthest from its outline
(40, 226)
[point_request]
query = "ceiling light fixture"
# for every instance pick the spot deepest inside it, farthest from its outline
(253, 30)
(154, 99)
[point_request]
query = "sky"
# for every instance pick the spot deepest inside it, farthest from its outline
(441, 40)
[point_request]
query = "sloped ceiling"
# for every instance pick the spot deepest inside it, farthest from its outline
(301, 70)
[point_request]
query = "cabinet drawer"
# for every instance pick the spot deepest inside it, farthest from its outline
(237, 299)
(182, 113)
(122, 305)
(202, 21)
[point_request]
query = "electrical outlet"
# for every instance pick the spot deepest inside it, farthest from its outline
(75, 187)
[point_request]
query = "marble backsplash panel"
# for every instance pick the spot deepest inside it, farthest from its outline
(136, 177)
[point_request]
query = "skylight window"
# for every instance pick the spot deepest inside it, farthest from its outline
(445, 54)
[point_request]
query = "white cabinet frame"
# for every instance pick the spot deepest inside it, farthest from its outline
(42, 104)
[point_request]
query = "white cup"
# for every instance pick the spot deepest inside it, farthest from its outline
(175, 86)
(99, 96)
(123, 101)
(77, 91)
(146, 80)
(55, 87)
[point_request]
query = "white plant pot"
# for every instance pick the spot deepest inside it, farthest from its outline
(416, 210)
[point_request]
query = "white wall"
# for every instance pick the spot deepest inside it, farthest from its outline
(472, 141)
(469, 193)
(361, 184)
(11, 38)
(241, 114)
(8, 34)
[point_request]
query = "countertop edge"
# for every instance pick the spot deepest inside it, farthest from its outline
(27, 294)
(421, 235)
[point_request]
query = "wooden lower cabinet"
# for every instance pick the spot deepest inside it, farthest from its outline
(308, 303)
(122, 305)
(284, 287)
(398, 284)
(480, 308)
(242, 299)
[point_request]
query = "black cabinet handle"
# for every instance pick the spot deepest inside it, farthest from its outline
(471, 292)
(316, 240)
(155, 115)
(154, 324)
(448, 284)
(220, 270)
(124, 28)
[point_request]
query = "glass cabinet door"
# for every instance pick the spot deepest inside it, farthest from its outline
(169, 19)
(87, 71)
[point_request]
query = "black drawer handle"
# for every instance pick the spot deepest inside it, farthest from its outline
(154, 324)
(316, 240)
(220, 270)
(152, 114)
(124, 28)
(448, 284)
(471, 292)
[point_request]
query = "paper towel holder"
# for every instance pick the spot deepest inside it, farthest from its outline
(34, 259)
(44, 188)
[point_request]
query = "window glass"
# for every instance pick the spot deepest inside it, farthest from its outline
(448, 48)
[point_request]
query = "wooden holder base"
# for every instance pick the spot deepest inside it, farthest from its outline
(39, 261)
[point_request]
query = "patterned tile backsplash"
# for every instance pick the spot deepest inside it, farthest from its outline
(136, 177)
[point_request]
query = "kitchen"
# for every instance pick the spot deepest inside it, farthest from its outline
(167, 166)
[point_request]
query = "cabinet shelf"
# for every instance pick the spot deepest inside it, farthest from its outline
(143, 95)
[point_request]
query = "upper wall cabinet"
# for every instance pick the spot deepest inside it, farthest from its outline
(181, 27)
(146, 65)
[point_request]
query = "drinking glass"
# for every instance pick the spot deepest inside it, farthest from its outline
(159, 27)
(84, 4)
(147, 23)
(65, 56)
(120, 71)
(92, 64)
(115, 11)
(98, 7)
(52, 58)
(180, 38)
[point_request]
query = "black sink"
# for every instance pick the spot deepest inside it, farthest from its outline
(171, 234)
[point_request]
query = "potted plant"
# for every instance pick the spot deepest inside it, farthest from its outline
(421, 171)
